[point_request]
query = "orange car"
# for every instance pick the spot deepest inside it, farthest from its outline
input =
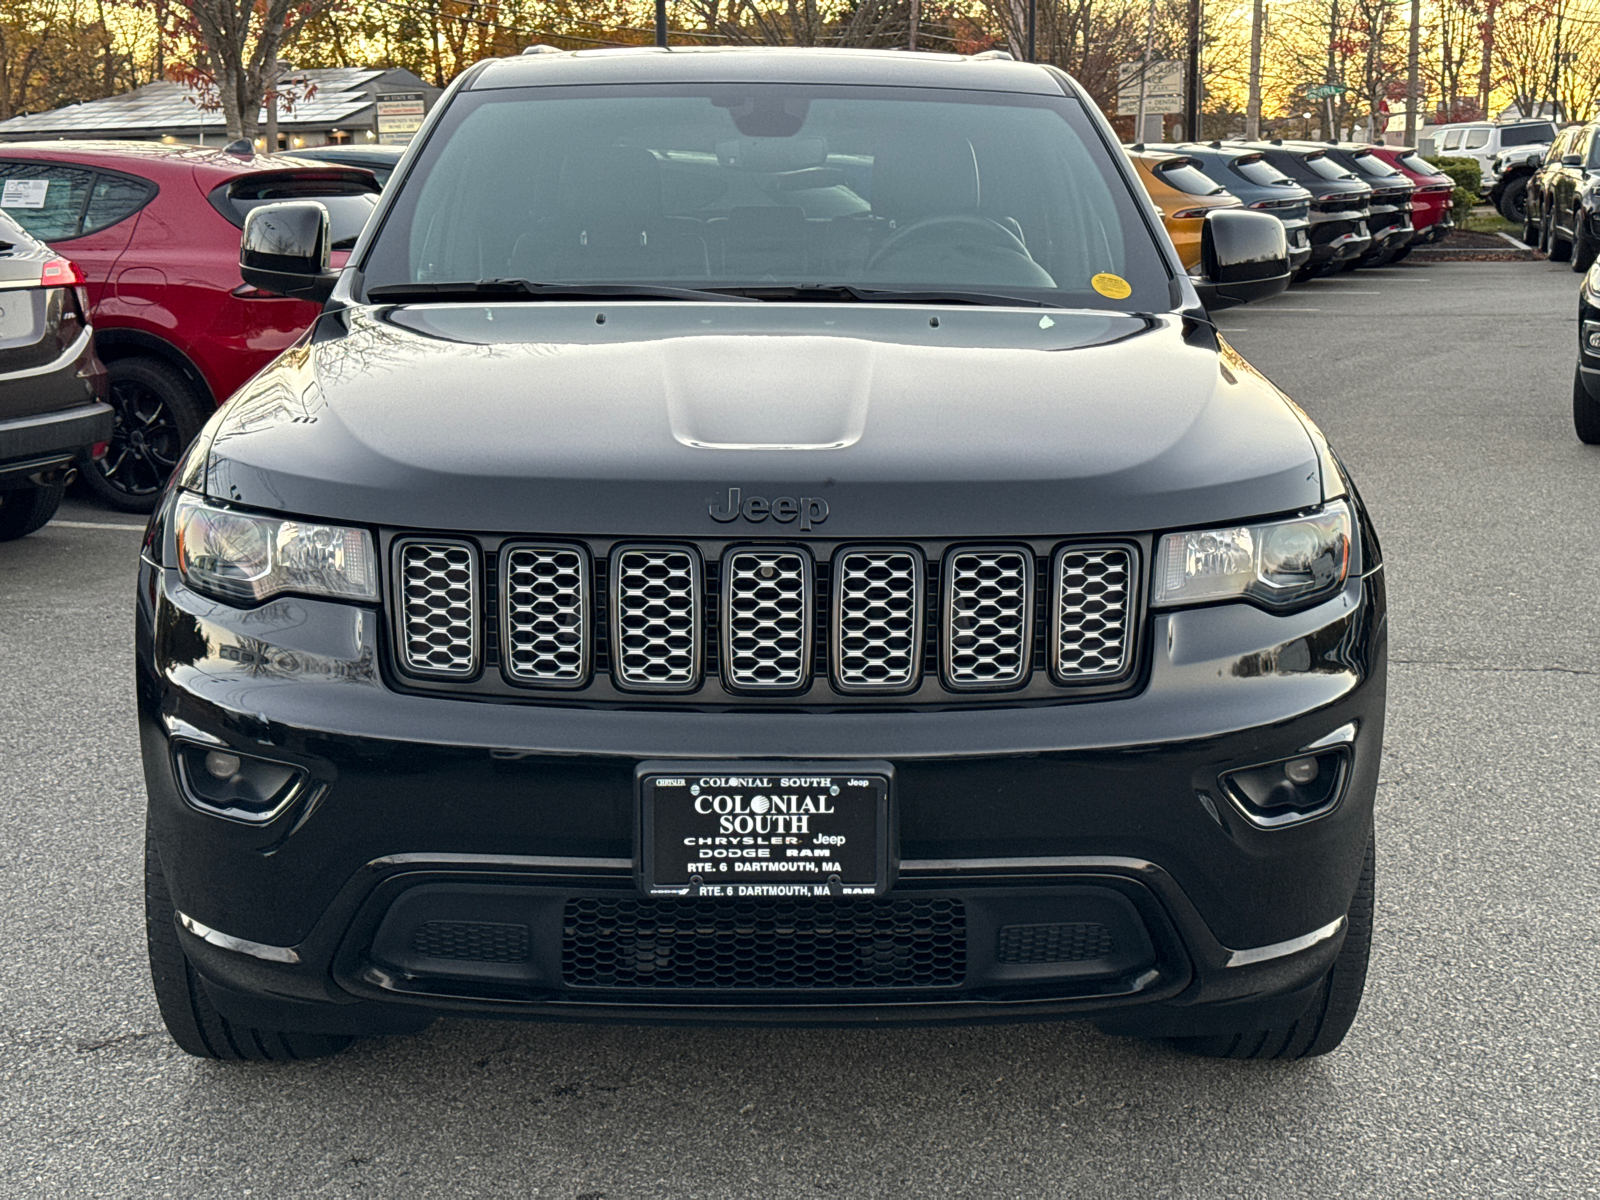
(1184, 194)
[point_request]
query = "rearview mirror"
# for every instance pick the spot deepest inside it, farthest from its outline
(1244, 256)
(285, 250)
(1572, 160)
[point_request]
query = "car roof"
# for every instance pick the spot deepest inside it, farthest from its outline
(157, 159)
(774, 64)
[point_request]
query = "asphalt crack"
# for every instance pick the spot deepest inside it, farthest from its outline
(1454, 666)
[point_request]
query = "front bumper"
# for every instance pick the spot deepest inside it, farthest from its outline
(421, 809)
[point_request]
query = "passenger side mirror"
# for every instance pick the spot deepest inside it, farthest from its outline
(285, 250)
(1244, 256)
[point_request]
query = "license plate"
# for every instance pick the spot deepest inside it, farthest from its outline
(764, 829)
(17, 316)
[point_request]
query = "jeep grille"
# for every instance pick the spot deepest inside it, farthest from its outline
(877, 620)
(766, 618)
(1091, 613)
(988, 617)
(655, 598)
(438, 626)
(544, 622)
(724, 622)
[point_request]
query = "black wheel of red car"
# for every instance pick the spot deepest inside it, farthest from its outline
(1514, 201)
(157, 415)
(25, 510)
(1585, 411)
(1328, 1018)
(190, 1017)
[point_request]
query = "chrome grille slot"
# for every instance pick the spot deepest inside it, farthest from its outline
(544, 614)
(766, 618)
(988, 617)
(656, 617)
(1093, 614)
(438, 610)
(877, 620)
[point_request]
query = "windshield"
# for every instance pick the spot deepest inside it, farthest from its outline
(1259, 170)
(1326, 167)
(1187, 177)
(1525, 135)
(751, 185)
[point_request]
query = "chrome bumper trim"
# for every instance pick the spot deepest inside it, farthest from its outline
(1260, 954)
(205, 933)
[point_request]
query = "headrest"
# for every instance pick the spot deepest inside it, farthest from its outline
(922, 178)
(611, 181)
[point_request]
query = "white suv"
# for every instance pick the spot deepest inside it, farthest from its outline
(1483, 140)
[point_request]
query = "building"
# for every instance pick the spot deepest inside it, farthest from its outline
(337, 105)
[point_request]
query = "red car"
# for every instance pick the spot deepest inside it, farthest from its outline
(1430, 203)
(155, 230)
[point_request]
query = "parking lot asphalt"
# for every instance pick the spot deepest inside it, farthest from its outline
(1473, 1069)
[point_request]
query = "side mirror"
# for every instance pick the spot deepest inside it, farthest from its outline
(285, 250)
(1244, 256)
(1572, 160)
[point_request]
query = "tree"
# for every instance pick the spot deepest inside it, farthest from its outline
(236, 44)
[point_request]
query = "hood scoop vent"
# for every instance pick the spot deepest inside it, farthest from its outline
(753, 399)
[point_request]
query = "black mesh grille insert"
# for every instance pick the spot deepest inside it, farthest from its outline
(803, 944)
(1079, 942)
(471, 941)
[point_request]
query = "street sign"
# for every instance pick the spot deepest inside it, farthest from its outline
(400, 116)
(1163, 89)
(1321, 91)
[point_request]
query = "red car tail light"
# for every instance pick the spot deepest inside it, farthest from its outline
(61, 272)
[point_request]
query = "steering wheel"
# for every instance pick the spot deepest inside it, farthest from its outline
(931, 228)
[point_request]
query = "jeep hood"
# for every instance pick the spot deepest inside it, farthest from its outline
(638, 418)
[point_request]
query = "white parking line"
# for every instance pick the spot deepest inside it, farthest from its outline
(94, 525)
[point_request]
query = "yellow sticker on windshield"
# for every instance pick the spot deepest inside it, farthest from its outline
(1113, 287)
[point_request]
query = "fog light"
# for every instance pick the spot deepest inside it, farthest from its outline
(1591, 336)
(1290, 790)
(1301, 770)
(221, 765)
(238, 786)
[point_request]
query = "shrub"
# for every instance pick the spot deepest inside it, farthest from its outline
(1468, 176)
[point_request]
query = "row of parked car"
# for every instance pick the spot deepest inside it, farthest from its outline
(1343, 205)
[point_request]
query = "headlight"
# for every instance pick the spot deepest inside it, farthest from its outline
(244, 556)
(1279, 563)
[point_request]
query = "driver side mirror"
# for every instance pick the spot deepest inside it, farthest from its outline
(285, 250)
(1244, 256)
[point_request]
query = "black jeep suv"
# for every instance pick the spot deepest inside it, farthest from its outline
(761, 536)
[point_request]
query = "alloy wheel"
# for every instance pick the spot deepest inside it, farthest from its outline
(145, 440)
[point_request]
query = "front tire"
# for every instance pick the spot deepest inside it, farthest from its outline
(191, 1019)
(1585, 411)
(1514, 202)
(27, 510)
(157, 415)
(1328, 1018)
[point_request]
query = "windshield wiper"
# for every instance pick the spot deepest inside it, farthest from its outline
(522, 289)
(825, 292)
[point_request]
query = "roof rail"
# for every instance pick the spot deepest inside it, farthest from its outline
(992, 55)
(543, 48)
